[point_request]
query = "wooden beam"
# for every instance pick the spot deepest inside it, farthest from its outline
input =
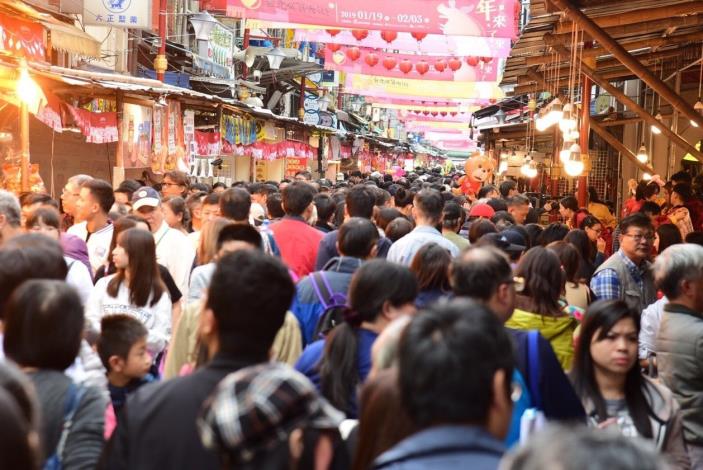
(648, 27)
(611, 62)
(619, 146)
(638, 16)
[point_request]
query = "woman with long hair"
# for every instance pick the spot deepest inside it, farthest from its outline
(598, 208)
(579, 239)
(666, 235)
(571, 212)
(577, 292)
(207, 248)
(176, 214)
(379, 292)
(431, 267)
(595, 230)
(135, 289)
(614, 392)
(539, 305)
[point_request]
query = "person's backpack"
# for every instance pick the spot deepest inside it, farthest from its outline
(74, 395)
(334, 305)
(527, 416)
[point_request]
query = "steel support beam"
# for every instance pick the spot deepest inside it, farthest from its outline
(619, 146)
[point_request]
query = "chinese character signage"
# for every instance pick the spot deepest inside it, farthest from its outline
(135, 14)
(450, 17)
(388, 87)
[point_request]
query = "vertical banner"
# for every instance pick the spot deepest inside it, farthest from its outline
(136, 132)
(189, 137)
(175, 139)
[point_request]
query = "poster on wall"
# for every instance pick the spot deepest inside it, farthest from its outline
(294, 165)
(136, 131)
(189, 136)
(133, 14)
(175, 139)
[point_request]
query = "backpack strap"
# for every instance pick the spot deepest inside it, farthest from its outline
(73, 399)
(533, 367)
(322, 288)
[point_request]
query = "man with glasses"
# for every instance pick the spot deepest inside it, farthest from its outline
(69, 197)
(626, 274)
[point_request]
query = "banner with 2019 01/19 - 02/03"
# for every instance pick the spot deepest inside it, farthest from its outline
(486, 18)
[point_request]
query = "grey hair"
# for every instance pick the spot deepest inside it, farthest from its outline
(582, 448)
(79, 180)
(683, 262)
(10, 208)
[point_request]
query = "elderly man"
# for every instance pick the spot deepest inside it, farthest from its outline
(678, 272)
(625, 275)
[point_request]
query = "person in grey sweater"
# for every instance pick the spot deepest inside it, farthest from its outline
(42, 333)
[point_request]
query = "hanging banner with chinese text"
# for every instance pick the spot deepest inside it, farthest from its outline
(371, 85)
(133, 14)
(450, 17)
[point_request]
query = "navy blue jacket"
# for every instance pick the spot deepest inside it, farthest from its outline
(328, 249)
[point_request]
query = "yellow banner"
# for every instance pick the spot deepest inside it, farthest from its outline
(363, 84)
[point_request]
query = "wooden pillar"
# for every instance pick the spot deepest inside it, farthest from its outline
(24, 147)
(584, 133)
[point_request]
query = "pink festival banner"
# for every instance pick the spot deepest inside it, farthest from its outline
(450, 17)
(430, 44)
(374, 62)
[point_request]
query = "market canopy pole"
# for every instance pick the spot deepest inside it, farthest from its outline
(619, 52)
(619, 146)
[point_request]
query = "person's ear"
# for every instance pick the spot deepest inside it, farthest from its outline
(336, 245)
(501, 408)
(374, 251)
(208, 324)
(116, 363)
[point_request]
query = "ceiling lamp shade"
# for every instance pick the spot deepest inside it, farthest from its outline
(642, 156)
(574, 165)
(275, 57)
(698, 106)
(655, 127)
(203, 23)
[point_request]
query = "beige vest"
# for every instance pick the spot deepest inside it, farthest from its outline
(630, 292)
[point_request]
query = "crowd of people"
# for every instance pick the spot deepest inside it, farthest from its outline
(366, 323)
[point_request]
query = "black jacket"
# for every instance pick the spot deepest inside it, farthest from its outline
(157, 429)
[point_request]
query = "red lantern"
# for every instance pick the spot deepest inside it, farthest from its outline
(426, 113)
(422, 67)
(405, 66)
(440, 65)
(389, 63)
(443, 113)
(434, 113)
(472, 61)
(371, 59)
(419, 36)
(453, 113)
(389, 36)
(487, 60)
(333, 32)
(360, 34)
(334, 47)
(454, 64)
(353, 53)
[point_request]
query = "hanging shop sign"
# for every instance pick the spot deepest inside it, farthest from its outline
(98, 128)
(371, 85)
(207, 143)
(168, 137)
(294, 165)
(133, 14)
(366, 61)
(189, 136)
(220, 48)
(22, 38)
(137, 136)
(458, 17)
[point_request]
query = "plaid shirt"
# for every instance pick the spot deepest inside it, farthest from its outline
(606, 285)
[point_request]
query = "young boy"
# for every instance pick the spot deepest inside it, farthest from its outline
(122, 350)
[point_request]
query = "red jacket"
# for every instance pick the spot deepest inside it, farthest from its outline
(298, 243)
(695, 209)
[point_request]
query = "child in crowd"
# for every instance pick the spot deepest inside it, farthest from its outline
(123, 352)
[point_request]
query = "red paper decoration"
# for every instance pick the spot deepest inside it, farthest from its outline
(333, 32)
(440, 65)
(419, 36)
(371, 59)
(334, 47)
(487, 60)
(454, 64)
(453, 113)
(389, 63)
(360, 34)
(389, 36)
(353, 53)
(405, 66)
(443, 113)
(426, 113)
(472, 61)
(434, 113)
(422, 67)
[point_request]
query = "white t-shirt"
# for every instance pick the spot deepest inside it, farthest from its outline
(79, 278)
(175, 251)
(156, 318)
(98, 242)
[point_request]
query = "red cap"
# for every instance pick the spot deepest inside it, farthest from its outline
(482, 210)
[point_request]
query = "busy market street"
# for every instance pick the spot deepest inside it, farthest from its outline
(351, 235)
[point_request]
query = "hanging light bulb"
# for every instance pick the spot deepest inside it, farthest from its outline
(699, 106)
(574, 165)
(568, 121)
(646, 176)
(654, 127)
(694, 123)
(541, 123)
(642, 154)
(565, 152)
(556, 112)
(573, 135)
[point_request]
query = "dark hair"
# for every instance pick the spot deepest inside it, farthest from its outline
(479, 228)
(684, 191)
(448, 357)
(118, 333)
(20, 387)
(553, 233)
(398, 228)
(235, 204)
(45, 215)
(544, 280)
(431, 267)
(178, 177)
(373, 284)
(357, 237)
(533, 233)
(385, 215)
(128, 187)
(325, 207)
(297, 196)
(600, 318)
(178, 205)
(497, 204)
(212, 199)
(695, 238)
(29, 256)
(479, 271)
(646, 190)
(681, 177)
(102, 192)
(651, 207)
(403, 197)
(504, 218)
(274, 206)
(589, 221)
(29, 199)
(669, 235)
(570, 202)
(453, 215)
(248, 331)
(506, 187)
(517, 200)
(638, 220)
(145, 279)
(382, 420)
(483, 192)
(239, 232)
(570, 259)
(43, 325)
(593, 195)
(16, 449)
(360, 201)
(219, 184)
(199, 187)
(430, 203)
(579, 239)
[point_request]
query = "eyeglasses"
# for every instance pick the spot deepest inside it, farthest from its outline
(597, 230)
(170, 184)
(638, 237)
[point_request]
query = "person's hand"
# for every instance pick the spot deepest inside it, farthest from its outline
(548, 207)
(600, 244)
(607, 423)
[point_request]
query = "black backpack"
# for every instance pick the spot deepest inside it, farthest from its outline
(334, 305)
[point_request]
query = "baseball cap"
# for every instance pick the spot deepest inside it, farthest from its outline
(145, 196)
(482, 210)
(502, 242)
(515, 238)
